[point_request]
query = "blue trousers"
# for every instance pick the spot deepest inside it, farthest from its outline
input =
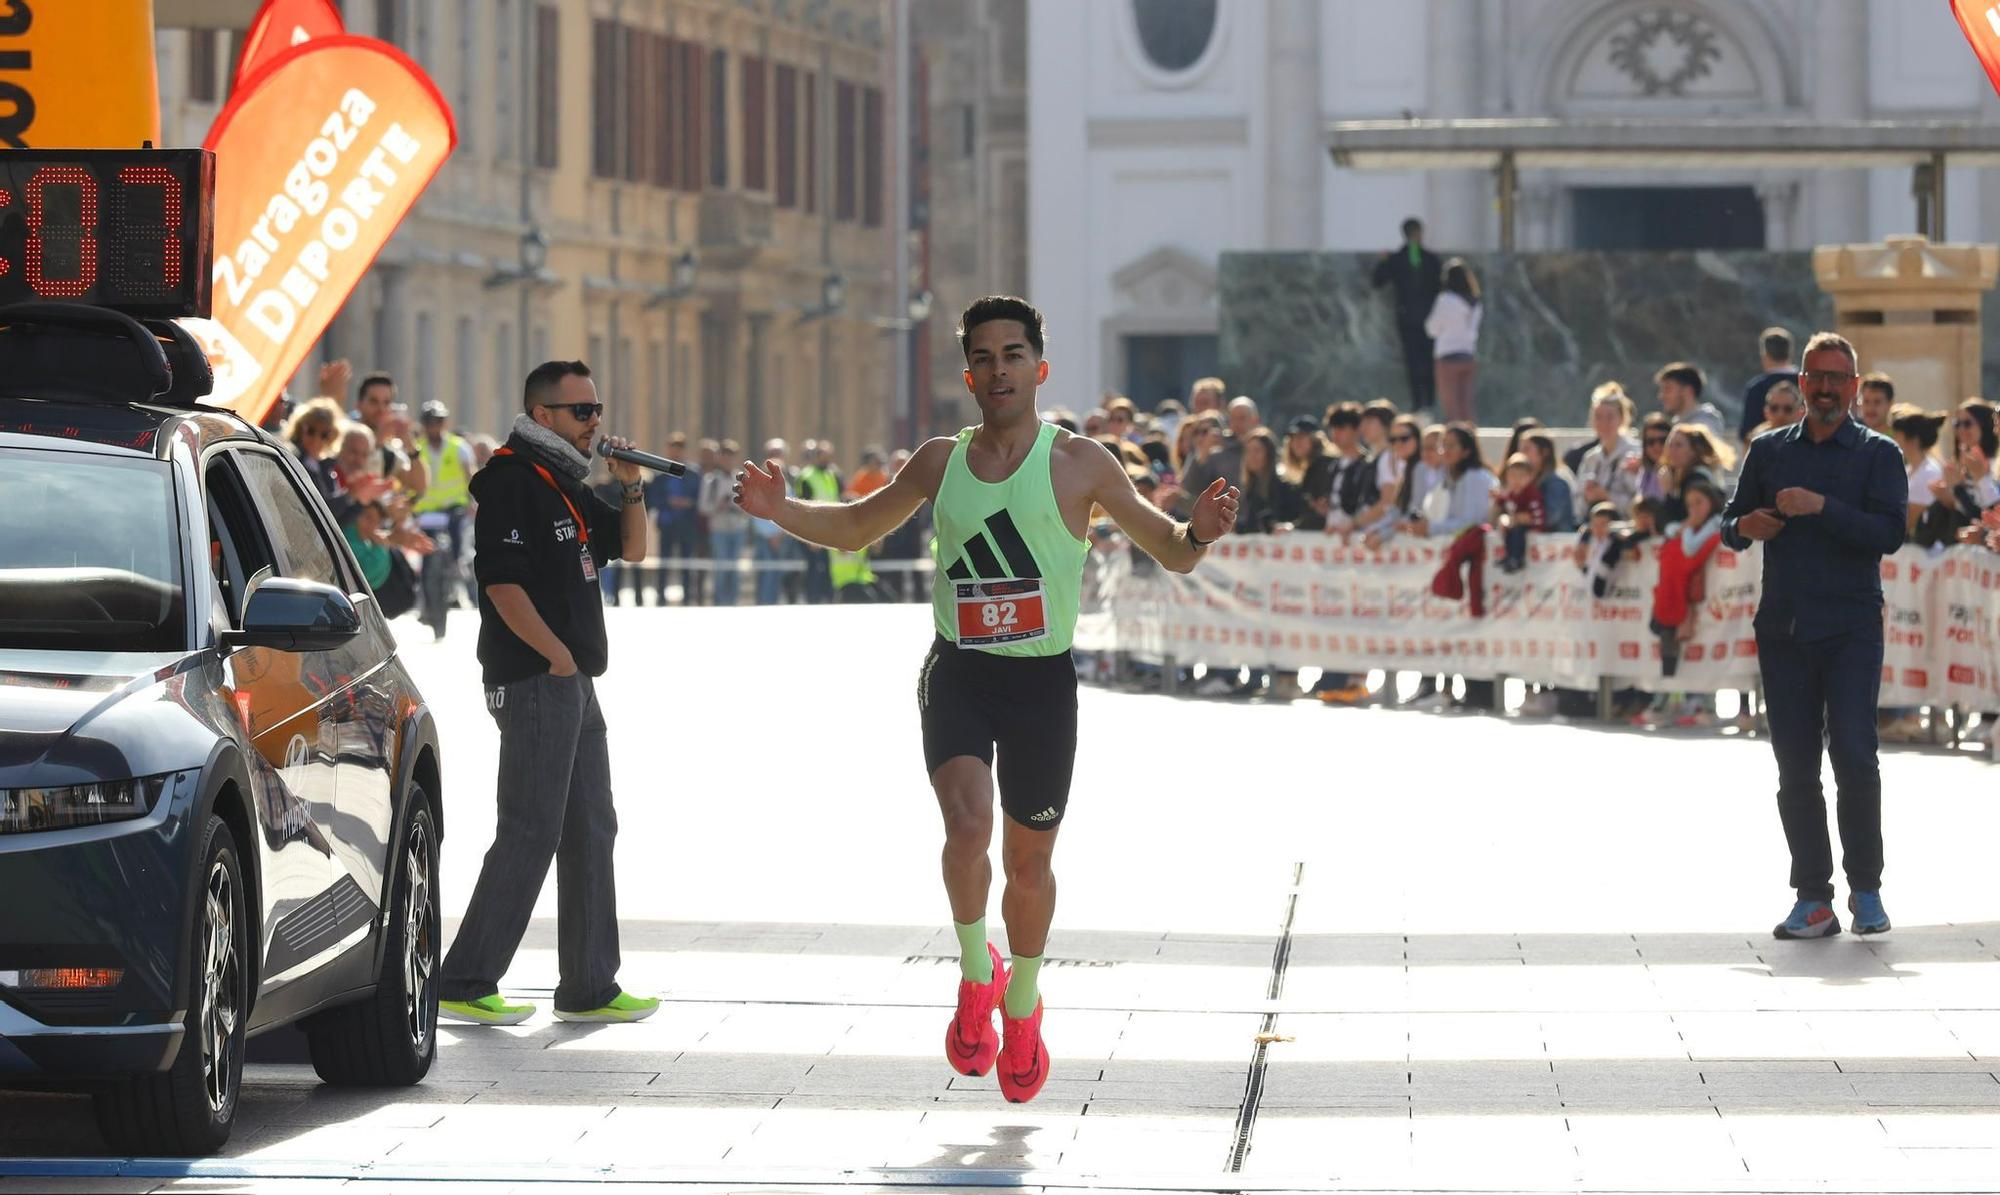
(1821, 696)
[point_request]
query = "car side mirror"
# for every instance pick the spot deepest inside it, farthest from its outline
(287, 614)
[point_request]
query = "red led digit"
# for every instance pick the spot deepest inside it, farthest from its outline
(170, 217)
(6, 197)
(83, 235)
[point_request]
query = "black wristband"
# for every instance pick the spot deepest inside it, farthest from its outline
(1199, 543)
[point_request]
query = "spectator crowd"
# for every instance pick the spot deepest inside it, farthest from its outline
(1367, 473)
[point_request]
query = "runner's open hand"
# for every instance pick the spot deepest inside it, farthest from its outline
(1214, 513)
(760, 492)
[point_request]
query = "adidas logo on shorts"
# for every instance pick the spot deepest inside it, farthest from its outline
(1046, 815)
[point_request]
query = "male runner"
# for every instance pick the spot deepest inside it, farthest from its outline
(1012, 500)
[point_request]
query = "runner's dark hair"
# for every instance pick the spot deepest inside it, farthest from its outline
(999, 307)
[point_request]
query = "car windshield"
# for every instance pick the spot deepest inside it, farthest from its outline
(89, 553)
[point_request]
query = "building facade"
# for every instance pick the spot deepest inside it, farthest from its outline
(688, 180)
(969, 214)
(1163, 133)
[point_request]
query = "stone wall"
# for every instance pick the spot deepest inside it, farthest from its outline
(1300, 330)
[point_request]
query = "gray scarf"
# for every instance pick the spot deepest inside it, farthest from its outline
(552, 450)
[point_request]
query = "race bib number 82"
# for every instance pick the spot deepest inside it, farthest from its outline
(993, 613)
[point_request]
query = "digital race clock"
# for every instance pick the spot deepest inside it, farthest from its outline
(130, 229)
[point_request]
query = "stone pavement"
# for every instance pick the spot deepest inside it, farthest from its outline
(1298, 948)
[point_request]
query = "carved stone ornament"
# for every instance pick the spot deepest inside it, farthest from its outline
(1665, 51)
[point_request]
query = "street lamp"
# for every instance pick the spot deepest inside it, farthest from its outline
(917, 311)
(681, 278)
(534, 257)
(832, 297)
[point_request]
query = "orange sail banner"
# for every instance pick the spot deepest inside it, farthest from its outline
(318, 158)
(78, 75)
(1981, 21)
(280, 25)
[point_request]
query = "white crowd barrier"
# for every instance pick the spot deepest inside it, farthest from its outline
(1307, 600)
(700, 564)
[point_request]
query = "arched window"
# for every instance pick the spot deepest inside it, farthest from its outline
(1174, 33)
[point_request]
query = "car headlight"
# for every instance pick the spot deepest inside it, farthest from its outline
(23, 810)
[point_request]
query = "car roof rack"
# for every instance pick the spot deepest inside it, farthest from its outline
(74, 350)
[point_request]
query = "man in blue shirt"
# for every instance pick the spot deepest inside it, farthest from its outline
(1776, 346)
(1826, 497)
(674, 501)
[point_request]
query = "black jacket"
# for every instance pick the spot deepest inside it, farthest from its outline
(1417, 285)
(526, 534)
(1259, 512)
(1315, 485)
(1355, 488)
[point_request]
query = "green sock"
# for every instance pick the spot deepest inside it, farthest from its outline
(974, 962)
(1022, 991)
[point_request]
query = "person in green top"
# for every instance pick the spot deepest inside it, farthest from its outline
(363, 529)
(1012, 500)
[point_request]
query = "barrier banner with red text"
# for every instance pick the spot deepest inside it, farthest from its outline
(319, 157)
(1304, 600)
(280, 25)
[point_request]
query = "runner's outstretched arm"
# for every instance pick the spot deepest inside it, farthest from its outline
(1164, 539)
(844, 526)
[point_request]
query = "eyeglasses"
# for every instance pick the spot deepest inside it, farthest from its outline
(1654, 440)
(583, 411)
(1780, 408)
(1402, 439)
(1963, 423)
(1821, 377)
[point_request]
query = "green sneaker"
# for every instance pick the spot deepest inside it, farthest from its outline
(487, 1010)
(623, 1007)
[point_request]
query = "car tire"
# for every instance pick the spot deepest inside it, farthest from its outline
(190, 1108)
(390, 1038)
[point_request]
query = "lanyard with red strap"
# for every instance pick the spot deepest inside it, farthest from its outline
(582, 528)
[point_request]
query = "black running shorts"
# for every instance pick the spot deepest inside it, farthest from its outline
(1015, 713)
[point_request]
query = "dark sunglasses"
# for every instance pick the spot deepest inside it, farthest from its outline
(1782, 408)
(1963, 423)
(1402, 439)
(1656, 439)
(583, 411)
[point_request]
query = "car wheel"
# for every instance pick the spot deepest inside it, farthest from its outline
(390, 1039)
(190, 1108)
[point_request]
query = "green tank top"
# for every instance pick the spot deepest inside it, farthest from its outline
(992, 534)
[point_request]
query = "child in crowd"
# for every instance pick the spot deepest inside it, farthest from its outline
(1645, 525)
(1594, 544)
(1684, 556)
(1517, 511)
(363, 529)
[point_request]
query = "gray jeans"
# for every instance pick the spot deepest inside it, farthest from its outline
(555, 802)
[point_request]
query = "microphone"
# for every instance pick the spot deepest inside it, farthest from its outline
(644, 460)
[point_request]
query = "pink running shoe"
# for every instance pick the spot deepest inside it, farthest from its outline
(970, 1041)
(1024, 1060)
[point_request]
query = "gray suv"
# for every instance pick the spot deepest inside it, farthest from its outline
(218, 786)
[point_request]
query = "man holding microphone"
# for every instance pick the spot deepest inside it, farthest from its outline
(539, 538)
(1826, 497)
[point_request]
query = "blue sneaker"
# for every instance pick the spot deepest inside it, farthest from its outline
(1809, 919)
(1869, 915)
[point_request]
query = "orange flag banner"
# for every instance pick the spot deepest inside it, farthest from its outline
(280, 25)
(77, 75)
(318, 158)
(1981, 21)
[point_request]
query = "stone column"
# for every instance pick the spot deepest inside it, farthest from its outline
(1838, 45)
(392, 320)
(1460, 201)
(1297, 162)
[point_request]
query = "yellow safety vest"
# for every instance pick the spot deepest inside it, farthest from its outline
(849, 568)
(450, 485)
